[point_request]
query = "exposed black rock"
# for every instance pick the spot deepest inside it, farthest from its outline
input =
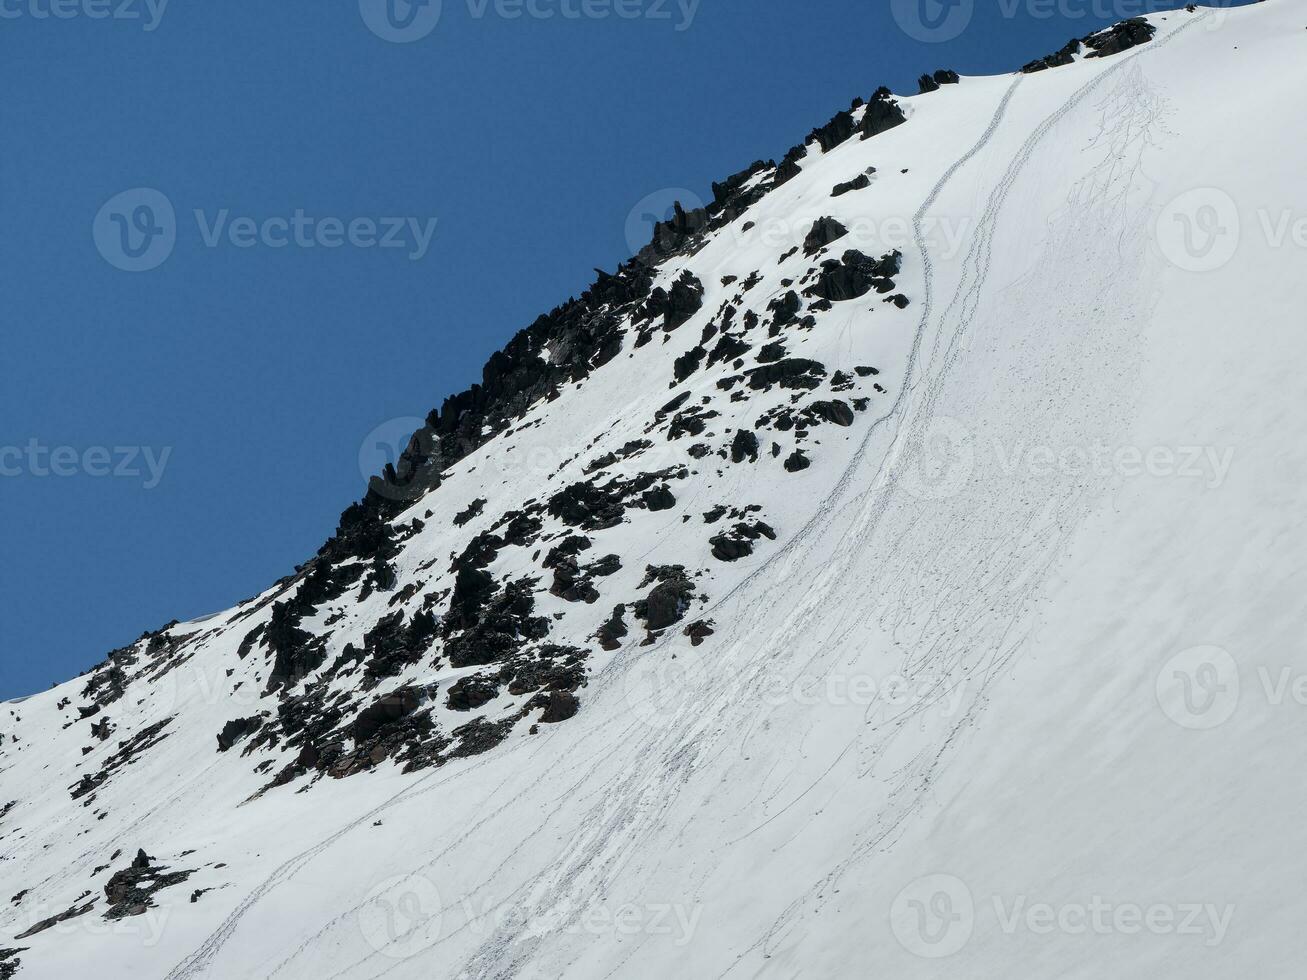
(823, 232)
(1120, 37)
(393, 645)
(504, 625)
(472, 511)
(610, 634)
(835, 132)
(589, 507)
(858, 183)
(674, 306)
(632, 448)
(855, 275)
(796, 462)
(470, 693)
(784, 309)
(668, 601)
(234, 731)
(698, 632)
(931, 83)
(789, 167)
(744, 446)
(130, 891)
(384, 712)
(835, 410)
(792, 372)
(558, 705)
(729, 348)
(688, 363)
(692, 422)
(573, 583)
(883, 113)
(479, 736)
(76, 911)
(128, 750)
(659, 498)
(569, 547)
(1114, 40)
(554, 668)
(9, 963)
(737, 543)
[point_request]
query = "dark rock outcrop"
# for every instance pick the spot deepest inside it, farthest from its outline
(744, 446)
(669, 599)
(858, 183)
(234, 731)
(855, 275)
(1112, 41)
(823, 232)
(130, 891)
(796, 462)
(883, 113)
(932, 83)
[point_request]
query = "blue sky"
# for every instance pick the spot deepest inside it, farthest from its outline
(174, 440)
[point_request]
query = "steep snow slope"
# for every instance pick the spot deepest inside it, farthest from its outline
(994, 691)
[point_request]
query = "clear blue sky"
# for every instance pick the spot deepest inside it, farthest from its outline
(263, 370)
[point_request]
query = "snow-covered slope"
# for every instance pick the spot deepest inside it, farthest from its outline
(785, 606)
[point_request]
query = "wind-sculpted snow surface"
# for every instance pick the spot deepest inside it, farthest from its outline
(813, 597)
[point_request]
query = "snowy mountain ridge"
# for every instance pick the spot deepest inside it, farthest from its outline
(837, 586)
